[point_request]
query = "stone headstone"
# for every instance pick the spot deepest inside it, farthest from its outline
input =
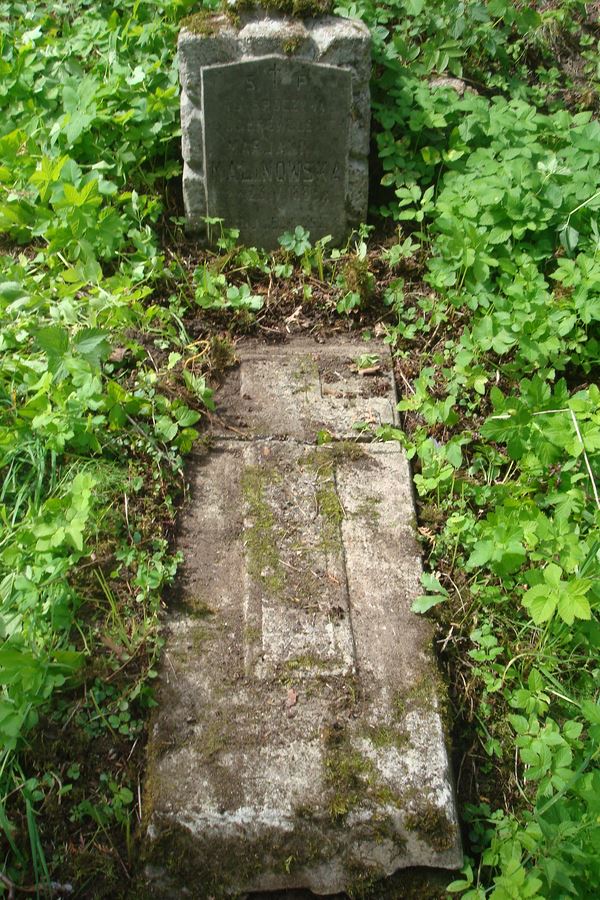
(299, 740)
(275, 125)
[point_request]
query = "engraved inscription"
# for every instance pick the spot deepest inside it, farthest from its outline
(276, 136)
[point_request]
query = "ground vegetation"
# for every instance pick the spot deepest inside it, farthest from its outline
(481, 268)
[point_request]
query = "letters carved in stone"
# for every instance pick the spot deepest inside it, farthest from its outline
(276, 147)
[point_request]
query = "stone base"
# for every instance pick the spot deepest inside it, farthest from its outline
(298, 742)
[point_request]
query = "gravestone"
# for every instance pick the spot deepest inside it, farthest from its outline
(298, 741)
(275, 125)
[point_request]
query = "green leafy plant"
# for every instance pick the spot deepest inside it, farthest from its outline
(488, 292)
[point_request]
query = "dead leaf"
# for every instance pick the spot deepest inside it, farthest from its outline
(120, 652)
(292, 698)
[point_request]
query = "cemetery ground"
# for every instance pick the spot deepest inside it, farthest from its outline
(479, 268)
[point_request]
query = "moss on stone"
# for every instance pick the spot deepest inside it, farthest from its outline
(398, 706)
(302, 9)
(305, 375)
(260, 540)
(221, 864)
(290, 46)
(197, 608)
(427, 694)
(336, 452)
(206, 22)
(331, 511)
(327, 458)
(383, 736)
(251, 633)
(323, 460)
(348, 773)
(368, 510)
(306, 661)
(198, 635)
(432, 826)
(364, 880)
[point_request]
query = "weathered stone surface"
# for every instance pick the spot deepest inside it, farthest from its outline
(196, 51)
(340, 41)
(301, 388)
(274, 115)
(298, 741)
(272, 159)
(192, 134)
(267, 36)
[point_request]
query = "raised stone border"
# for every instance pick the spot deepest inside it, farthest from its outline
(341, 43)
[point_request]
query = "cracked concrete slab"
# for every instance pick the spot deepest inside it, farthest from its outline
(300, 388)
(299, 740)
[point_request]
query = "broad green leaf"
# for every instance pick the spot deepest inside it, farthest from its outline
(480, 555)
(52, 339)
(591, 711)
(92, 344)
(165, 428)
(552, 574)
(425, 602)
(540, 603)
(573, 606)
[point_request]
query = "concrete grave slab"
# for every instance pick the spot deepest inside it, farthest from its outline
(299, 739)
(301, 388)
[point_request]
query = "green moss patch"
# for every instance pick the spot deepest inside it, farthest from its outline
(205, 23)
(383, 736)
(347, 772)
(221, 863)
(432, 826)
(369, 510)
(302, 9)
(260, 536)
(323, 461)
